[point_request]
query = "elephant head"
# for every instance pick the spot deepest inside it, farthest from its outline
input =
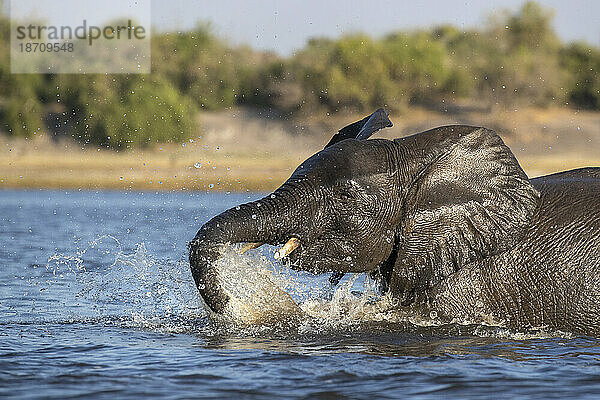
(411, 211)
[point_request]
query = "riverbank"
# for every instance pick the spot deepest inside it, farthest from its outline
(249, 150)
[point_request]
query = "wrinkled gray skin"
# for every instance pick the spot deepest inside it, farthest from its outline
(446, 219)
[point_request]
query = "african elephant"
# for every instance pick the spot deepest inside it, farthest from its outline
(446, 219)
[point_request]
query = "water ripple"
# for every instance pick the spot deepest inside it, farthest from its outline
(91, 308)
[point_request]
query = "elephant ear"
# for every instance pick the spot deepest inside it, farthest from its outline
(469, 200)
(364, 128)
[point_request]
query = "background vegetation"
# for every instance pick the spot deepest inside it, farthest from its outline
(516, 60)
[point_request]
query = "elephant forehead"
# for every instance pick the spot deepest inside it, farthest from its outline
(345, 160)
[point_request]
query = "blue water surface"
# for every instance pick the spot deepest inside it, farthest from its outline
(96, 301)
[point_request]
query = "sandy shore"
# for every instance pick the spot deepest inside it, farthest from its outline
(240, 150)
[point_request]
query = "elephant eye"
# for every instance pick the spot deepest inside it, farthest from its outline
(345, 195)
(349, 191)
(342, 193)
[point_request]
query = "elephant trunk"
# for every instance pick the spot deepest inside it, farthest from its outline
(268, 220)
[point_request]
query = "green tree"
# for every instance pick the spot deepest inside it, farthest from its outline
(123, 111)
(582, 61)
(201, 66)
(20, 109)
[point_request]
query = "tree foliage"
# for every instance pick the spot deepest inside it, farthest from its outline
(516, 60)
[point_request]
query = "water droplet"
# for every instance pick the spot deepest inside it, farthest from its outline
(433, 314)
(253, 216)
(348, 258)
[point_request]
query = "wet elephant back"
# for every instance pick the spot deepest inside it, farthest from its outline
(553, 277)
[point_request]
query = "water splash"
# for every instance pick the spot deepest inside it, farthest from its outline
(264, 293)
(135, 289)
(139, 290)
(256, 293)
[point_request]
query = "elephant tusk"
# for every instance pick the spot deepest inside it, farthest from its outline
(287, 248)
(249, 246)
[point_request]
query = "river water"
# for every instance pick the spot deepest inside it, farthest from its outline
(96, 301)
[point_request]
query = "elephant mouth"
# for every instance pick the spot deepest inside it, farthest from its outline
(319, 252)
(322, 254)
(292, 244)
(301, 254)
